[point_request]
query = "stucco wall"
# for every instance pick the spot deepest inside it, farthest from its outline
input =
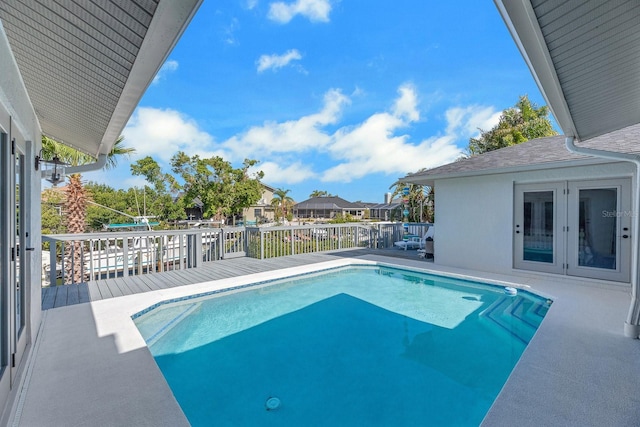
(474, 215)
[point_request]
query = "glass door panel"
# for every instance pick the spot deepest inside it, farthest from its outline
(20, 244)
(538, 215)
(597, 228)
(599, 221)
(538, 226)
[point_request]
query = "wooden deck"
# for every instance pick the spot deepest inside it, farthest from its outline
(63, 295)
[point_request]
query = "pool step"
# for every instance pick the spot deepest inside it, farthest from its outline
(516, 315)
(167, 324)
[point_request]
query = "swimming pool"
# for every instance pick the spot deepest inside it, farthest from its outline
(360, 345)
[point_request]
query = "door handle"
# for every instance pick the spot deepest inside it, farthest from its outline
(29, 249)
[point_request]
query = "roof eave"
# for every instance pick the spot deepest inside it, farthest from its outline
(523, 25)
(169, 22)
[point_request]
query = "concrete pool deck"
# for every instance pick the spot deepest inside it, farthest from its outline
(90, 366)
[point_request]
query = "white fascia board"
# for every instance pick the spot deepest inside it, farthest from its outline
(520, 19)
(169, 22)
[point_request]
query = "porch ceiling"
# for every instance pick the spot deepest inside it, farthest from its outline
(585, 57)
(87, 63)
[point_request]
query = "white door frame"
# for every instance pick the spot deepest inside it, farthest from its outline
(14, 275)
(622, 213)
(18, 301)
(555, 243)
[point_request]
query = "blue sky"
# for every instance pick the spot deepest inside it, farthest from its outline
(343, 96)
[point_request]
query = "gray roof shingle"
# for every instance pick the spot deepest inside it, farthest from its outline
(328, 203)
(535, 153)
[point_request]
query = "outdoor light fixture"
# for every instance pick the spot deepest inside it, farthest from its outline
(52, 170)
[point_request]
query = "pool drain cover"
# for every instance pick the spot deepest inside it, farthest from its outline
(272, 404)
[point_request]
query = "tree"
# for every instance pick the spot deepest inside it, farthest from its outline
(223, 189)
(166, 188)
(520, 123)
(282, 203)
(148, 168)
(51, 201)
(75, 204)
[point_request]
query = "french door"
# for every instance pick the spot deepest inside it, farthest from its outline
(579, 228)
(13, 271)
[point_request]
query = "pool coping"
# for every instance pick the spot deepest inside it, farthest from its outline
(103, 353)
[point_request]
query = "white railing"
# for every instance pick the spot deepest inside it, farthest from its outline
(77, 258)
(92, 256)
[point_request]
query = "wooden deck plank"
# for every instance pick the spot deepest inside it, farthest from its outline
(48, 297)
(124, 285)
(94, 291)
(61, 296)
(83, 293)
(103, 287)
(136, 285)
(72, 294)
(148, 281)
(58, 296)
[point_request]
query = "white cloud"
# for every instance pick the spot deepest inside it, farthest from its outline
(406, 105)
(229, 31)
(161, 133)
(167, 68)
(294, 173)
(374, 146)
(379, 144)
(135, 181)
(467, 120)
(251, 4)
(275, 62)
(292, 136)
(314, 10)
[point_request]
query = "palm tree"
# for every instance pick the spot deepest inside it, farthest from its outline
(76, 197)
(281, 202)
(419, 200)
(319, 193)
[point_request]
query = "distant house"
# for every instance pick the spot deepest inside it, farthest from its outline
(328, 207)
(390, 210)
(262, 211)
(195, 211)
(537, 206)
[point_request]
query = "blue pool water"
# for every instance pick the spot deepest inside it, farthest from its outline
(347, 347)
